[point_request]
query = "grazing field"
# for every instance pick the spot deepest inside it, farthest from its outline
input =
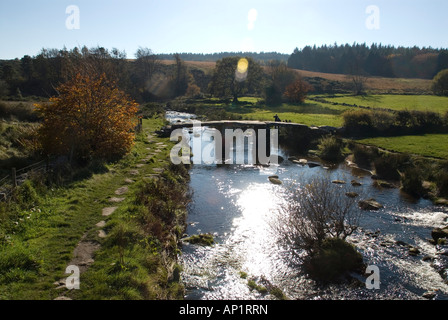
(395, 102)
(310, 113)
(378, 84)
(430, 145)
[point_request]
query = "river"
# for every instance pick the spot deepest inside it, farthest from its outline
(237, 203)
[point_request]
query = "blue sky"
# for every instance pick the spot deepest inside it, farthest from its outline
(207, 26)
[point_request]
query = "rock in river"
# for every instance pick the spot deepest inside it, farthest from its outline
(355, 183)
(369, 204)
(351, 194)
(438, 233)
(313, 164)
(274, 180)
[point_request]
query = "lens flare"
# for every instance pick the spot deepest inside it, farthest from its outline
(242, 69)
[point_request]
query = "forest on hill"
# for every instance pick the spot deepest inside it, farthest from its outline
(376, 60)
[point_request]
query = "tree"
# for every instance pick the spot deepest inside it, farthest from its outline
(91, 118)
(297, 91)
(234, 76)
(280, 77)
(180, 77)
(313, 213)
(146, 65)
(440, 83)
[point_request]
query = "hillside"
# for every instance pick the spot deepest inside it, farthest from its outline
(374, 84)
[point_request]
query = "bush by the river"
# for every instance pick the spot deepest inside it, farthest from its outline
(335, 258)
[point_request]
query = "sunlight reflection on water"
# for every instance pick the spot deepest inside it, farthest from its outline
(237, 205)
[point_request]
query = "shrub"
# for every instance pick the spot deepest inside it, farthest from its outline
(330, 148)
(388, 165)
(313, 213)
(91, 118)
(382, 121)
(411, 182)
(442, 183)
(26, 196)
(358, 121)
(440, 83)
(297, 91)
(335, 258)
(364, 155)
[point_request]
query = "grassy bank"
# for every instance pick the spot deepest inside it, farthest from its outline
(40, 231)
(428, 145)
(394, 102)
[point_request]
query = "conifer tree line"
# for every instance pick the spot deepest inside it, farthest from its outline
(374, 60)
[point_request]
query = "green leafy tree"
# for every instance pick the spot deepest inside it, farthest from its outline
(280, 77)
(235, 76)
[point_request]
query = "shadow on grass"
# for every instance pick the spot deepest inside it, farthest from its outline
(306, 108)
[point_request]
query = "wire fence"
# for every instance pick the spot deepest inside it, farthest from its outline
(17, 177)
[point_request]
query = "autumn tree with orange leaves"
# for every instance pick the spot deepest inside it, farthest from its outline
(90, 119)
(297, 91)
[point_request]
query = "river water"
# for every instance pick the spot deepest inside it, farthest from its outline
(237, 204)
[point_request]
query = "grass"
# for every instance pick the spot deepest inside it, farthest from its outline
(37, 239)
(396, 102)
(310, 113)
(429, 145)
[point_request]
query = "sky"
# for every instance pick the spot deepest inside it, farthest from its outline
(208, 26)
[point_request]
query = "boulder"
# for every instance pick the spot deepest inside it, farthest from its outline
(438, 233)
(429, 295)
(369, 204)
(338, 181)
(313, 164)
(413, 251)
(384, 184)
(274, 180)
(355, 183)
(351, 194)
(441, 202)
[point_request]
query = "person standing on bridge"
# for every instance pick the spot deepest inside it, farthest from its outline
(277, 119)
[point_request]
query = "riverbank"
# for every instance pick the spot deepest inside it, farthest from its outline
(103, 224)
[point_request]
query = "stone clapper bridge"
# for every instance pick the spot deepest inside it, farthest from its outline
(295, 129)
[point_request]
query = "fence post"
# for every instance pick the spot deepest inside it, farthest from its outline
(14, 177)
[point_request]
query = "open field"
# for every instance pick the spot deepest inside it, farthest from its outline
(395, 102)
(429, 145)
(377, 84)
(310, 113)
(318, 113)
